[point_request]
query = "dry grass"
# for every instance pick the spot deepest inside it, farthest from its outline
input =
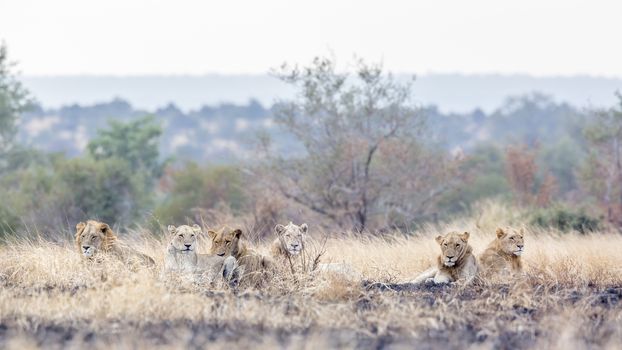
(569, 298)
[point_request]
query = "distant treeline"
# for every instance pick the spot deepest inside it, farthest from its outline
(225, 133)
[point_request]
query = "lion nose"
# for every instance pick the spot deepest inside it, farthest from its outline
(294, 245)
(520, 246)
(188, 245)
(450, 257)
(220, 254)
(85, 247)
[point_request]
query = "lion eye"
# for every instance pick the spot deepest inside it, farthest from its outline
(457, 245)
(511, 238)
(181, 236)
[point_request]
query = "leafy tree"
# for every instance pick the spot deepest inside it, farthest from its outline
(65, 191)
(14, 100)
(361, 155)
(602, 171)
(113, 183)
(530, 187)
(195, 189)
(136, 142)
(565, 219)
(106, 189)
(485, 178)
(532, 119)
(561, 157)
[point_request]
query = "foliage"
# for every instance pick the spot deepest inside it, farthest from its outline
(61, 192)
(14, 100)
(601, 174)
(362, 157)
(528, 185)
(194, 189)
(107, 189)
(533, 119)
(561, 158)
(354, 151)
(565, 219)
(484, 170)
(136, 142)
(521, 172)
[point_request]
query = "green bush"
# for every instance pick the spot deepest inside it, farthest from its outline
(565, 220)
(201, 188)
(108, 190)
(57, 194)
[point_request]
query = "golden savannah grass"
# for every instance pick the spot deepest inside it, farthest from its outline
(570, 297)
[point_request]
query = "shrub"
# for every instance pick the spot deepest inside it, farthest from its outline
(565, 220)
(59, 193)
(195, 190)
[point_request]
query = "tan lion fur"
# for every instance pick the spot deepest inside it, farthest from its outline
(94, 236)
(503, 254)
(456, 261)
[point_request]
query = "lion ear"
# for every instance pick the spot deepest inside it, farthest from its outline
(439, 239)
(211, 234)
(104, 227)
(304, 228)
(196, 228)
(171, 229)
(79, 227)
(237, 233)
(500, 232)
(465, 236)
(279, 229)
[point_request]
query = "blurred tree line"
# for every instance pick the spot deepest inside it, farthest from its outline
(369, 163)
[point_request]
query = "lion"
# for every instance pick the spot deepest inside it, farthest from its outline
(504, 252)
(455, 263)
(290, 240)
(181, 256)
(290, 245)
(93, 237)
(227, 242)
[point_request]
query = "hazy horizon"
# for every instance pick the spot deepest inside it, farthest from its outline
(451, 93)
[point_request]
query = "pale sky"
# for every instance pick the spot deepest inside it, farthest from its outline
(136, 37)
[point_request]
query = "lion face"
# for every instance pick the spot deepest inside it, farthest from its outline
(511, 241)
(184, 238)
(453, 245)
(92, 237)
(292, 237)
(225, 242)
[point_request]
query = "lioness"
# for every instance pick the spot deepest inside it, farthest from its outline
(181, 256)
(228, 242)
(93, 237)
(504, 253)
(456, 261)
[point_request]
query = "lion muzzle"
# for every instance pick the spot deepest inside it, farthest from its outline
(450, 261)
(88, 251)
(294, 249)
